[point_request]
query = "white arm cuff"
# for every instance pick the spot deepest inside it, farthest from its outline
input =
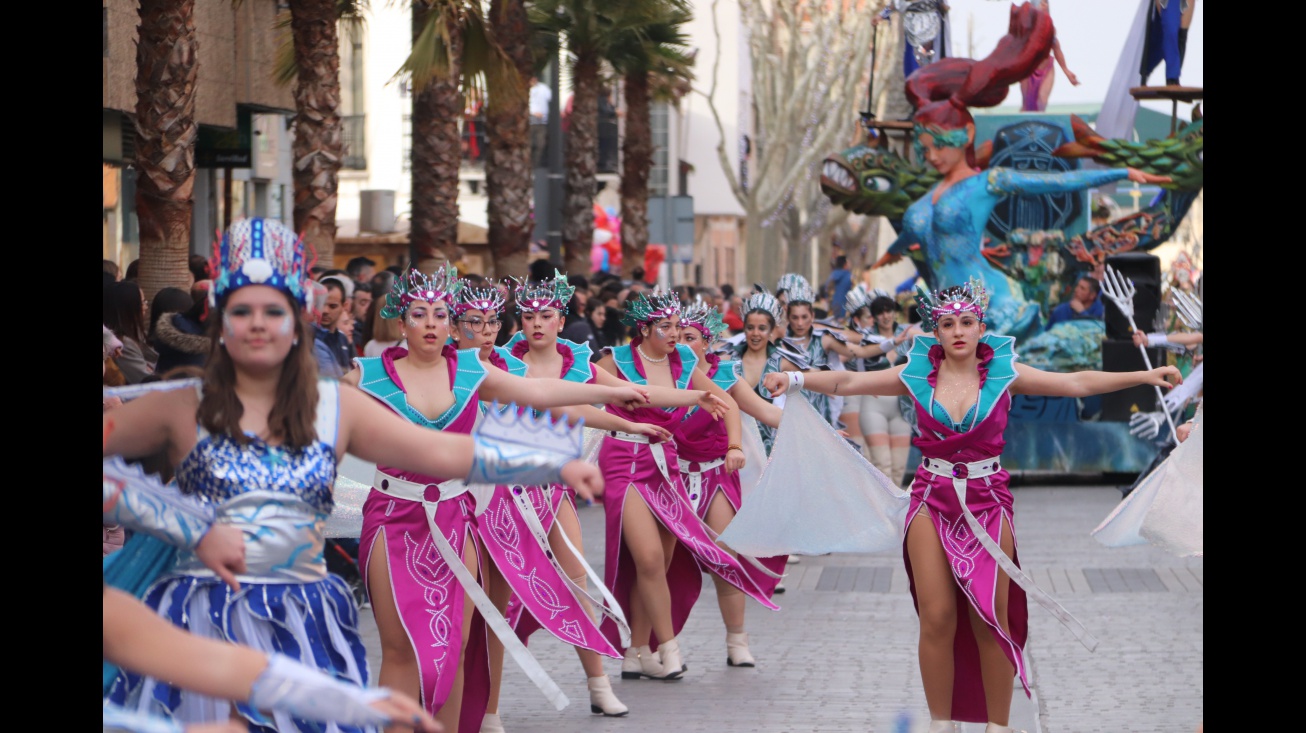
(796, 379)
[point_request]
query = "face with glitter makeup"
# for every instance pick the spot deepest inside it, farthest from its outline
(426, 327)
(661, 335)
(477, 329)
(258, 324)
(541, 327)
(693, 338)
(959, 334)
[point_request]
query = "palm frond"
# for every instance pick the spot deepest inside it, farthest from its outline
(353, 19)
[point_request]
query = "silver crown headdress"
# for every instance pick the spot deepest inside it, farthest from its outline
(859, 298)
(704, 317)
(796, 288)
(552, 294)
(442, 285)
(762, 303)
(489, 299)
(652, 306)
(969, 298)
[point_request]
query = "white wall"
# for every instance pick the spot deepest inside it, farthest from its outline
(698, 146)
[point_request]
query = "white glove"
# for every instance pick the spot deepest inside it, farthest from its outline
(303, 692)
(1178, 397)
(1146, 425)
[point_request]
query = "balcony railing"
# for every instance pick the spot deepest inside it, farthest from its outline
(352, 131)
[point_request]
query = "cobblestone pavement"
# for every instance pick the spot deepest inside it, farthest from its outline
(840, 655)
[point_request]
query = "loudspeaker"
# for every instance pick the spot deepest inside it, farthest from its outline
(1145, 270)
(1124, 356)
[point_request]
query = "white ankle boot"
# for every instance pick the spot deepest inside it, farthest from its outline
(602, 699)
(995, 728)
(737, 654)
(492, 724)
(640, 663)
(942, 726)
(672, 667)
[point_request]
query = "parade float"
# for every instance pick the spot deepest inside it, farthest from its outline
(1034, 247)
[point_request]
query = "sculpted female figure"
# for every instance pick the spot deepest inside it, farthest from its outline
(948, 222)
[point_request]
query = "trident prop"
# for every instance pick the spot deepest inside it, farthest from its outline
(1120, 290)
(1189, 307)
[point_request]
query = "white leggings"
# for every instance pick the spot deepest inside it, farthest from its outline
(878, 415)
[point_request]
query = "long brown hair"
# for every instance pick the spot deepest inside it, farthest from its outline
(295, 409)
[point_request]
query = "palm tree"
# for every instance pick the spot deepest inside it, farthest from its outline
(319, 135)
(591, 27)
(654, 65)
(166, 69)
(508, 175)
(453, 53)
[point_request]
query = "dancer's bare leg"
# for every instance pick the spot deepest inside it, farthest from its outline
(398, 663)
(936, 599)
(567, 523)
(998, 673)
(729, 598)
(650, 546)
(1044, 94)
(499, 592)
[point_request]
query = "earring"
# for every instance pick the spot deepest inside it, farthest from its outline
(295, 342)
(222, 341)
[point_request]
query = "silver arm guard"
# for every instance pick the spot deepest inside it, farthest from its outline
(521, 450)
(303, 692)
(142, 504)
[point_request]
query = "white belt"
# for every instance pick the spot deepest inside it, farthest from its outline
(959, 473)
(411, 491)
(695, 478)
(628, 437)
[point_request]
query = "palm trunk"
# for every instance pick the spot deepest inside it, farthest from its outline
(166, 68)
(508, 175)
(636, 160)
(582, 163)
(319, 137)
(437, 154)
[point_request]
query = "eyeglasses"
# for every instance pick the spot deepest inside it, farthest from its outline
(478, 325)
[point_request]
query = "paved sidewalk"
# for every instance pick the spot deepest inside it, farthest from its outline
(840, 655)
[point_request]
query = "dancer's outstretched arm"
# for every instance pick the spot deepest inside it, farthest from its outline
(662, 396)
(545, 393)
(1085, 384)
(752, 403)
(884, 382)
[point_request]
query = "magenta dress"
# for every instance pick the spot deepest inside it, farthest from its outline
(702, 442)
(513, 528)
(427, 594)
(652, 470)
(964, 458)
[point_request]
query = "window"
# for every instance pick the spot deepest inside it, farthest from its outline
(659, 173)
(352, 100)
(406, 146)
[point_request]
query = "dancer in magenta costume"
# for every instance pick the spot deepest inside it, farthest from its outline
(709, 468)
(657, 521)
(517, 528)
(419, 607)
(960, 547)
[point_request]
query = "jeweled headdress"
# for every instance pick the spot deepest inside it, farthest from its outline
(489, 300)
(441, 287)
(762, 303)
(706, 318)
(260, 251)
(554, 293)
(650, 307)
(859, 298)
(796, 288)
(969, 298)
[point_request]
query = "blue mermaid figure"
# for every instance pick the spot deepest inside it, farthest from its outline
(947, 223)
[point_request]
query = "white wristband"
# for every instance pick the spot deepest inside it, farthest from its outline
(796, 379)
